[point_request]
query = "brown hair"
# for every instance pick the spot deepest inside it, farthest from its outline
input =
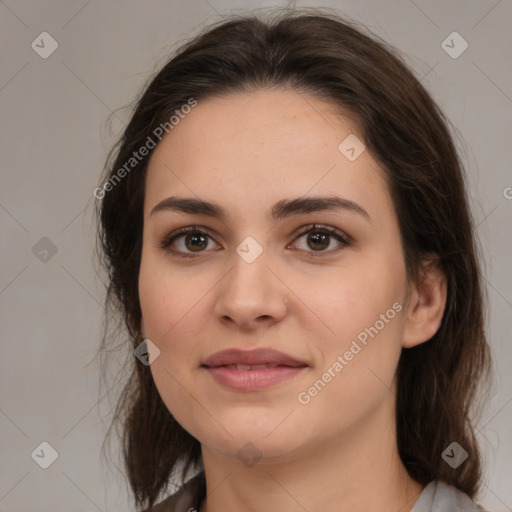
(408, 135)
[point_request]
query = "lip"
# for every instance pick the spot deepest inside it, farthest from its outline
(283, 367)
(252, 357)
(253, 380)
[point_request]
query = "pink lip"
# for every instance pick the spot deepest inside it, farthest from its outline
(253, 380)
(284, 367)
(258, 356)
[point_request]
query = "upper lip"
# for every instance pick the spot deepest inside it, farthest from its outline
(252, 357)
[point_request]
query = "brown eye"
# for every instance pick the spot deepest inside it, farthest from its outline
(318, 241)
(319, 238)
(196, 242)
(186, 242)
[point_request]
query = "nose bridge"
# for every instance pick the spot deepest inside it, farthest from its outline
(250, 291)
(249, 270)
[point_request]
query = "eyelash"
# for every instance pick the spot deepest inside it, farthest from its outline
(344, 239)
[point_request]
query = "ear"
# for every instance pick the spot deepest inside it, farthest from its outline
(142, 328)
(426, 305)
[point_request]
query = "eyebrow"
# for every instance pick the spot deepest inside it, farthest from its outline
(281, 210)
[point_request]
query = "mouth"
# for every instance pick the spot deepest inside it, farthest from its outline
(250, 360)
(249, 371)
(252, 367)
(253, 379)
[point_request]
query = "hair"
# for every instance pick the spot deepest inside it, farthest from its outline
(407, 134)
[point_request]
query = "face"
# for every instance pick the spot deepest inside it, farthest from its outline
(330, 296)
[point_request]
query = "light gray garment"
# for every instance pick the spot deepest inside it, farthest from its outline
(437, 496)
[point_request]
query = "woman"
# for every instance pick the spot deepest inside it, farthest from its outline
(288, 241)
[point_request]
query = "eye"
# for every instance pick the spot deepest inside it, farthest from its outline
(194, 240)
(319, 237)
(191, 241)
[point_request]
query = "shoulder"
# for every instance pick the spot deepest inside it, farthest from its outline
(187, 498)
(438, 496)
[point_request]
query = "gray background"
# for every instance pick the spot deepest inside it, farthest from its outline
(54, 139)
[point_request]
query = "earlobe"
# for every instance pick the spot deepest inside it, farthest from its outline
(426, 305)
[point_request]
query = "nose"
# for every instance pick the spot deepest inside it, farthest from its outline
(251, 295)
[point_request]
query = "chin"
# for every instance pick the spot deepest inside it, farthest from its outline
(250, 450)
(248, 440)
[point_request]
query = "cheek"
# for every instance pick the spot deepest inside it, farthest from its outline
(363, 308)
(357, 362)
(354, 297)
(171, 309)
(166, 297)
(175, 309)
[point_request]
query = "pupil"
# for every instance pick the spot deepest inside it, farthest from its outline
(194, 238)
(322, 237)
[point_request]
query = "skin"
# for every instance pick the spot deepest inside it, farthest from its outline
(246, 152)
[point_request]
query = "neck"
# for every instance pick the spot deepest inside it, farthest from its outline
(359, 471)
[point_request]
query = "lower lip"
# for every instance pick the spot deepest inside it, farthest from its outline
(253, 380)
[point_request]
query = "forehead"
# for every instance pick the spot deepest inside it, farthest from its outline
(249, 150)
